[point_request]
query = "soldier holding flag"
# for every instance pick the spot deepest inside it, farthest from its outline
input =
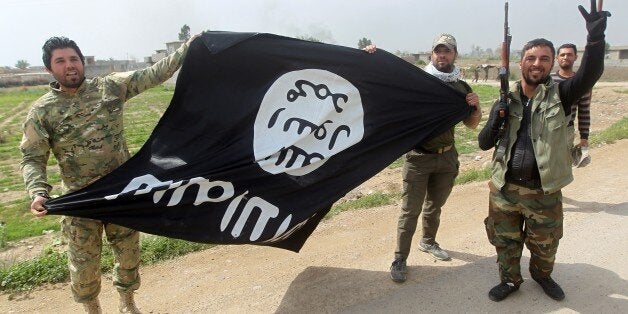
(80, 120)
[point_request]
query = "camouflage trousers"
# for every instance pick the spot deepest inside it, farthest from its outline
(84, 238)
(427, 183)
(518, 215)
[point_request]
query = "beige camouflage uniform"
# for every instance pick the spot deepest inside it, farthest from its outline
(85, 132)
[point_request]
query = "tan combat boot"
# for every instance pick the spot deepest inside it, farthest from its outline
(92, 306)
(127, 304)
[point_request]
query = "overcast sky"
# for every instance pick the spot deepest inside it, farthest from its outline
(123, 29)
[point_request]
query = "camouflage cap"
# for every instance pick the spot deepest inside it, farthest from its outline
(445, 39)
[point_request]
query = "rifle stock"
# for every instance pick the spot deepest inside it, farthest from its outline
(504, 72)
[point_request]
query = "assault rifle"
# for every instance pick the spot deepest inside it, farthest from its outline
(504, 72)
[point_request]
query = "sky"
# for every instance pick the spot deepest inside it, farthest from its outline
(134, 29)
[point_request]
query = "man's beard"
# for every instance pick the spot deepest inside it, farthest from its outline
(70, 83)
(445, 69)
(566, 67)
(534, 82)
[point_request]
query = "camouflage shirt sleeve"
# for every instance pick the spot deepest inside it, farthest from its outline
(141, 80)
(35, 150)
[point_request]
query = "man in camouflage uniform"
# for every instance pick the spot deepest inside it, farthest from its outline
(81, 121)
(525, 200)
(431, 167)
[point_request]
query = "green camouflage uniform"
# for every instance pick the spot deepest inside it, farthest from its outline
(85, 132)
(427, 177)
(534, 216)
(542, 215)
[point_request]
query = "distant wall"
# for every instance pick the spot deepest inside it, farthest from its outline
(25, 79)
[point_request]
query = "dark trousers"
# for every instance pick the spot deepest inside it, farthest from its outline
(427, 183)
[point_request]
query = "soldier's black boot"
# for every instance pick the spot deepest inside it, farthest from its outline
(551, 288)
(501, 291)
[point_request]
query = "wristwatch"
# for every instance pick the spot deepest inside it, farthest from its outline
(42, 194)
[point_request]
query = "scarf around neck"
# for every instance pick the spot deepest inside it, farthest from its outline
(445, 77)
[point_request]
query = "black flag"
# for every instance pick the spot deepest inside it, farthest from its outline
(263, 134)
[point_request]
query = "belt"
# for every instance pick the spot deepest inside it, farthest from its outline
(438, 151)
(522, 190)
(534, 184)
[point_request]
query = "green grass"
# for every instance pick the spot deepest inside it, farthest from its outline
(397, 163)
(621, 91)
(472, 175)
(3, 236)
(19, 223)
(467, 139)
(366, 201)
(51, 265)
(617, 131)
(11, 96)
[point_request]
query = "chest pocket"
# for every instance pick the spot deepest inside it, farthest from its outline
(554, 116)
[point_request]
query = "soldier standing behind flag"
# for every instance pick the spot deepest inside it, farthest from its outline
(80, 120)
(525, 200)
(430, 168)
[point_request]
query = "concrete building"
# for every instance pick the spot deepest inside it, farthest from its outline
(618, 53)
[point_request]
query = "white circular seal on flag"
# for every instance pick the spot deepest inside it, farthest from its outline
(305, 118)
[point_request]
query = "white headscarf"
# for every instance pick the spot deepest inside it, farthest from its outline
(445, 77)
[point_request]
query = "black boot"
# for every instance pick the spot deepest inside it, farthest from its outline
(501, 291)
(551, 288)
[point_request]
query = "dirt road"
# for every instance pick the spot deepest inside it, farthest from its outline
(344, 265)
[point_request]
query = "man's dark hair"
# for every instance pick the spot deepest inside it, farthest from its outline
(569, 46)
(59, 43)
(539, 42)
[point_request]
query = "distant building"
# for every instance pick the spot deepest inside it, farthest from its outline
(173, 45)
(422, 56)
(162, 53)
(158, 55)
(103, 67)
(618, 53)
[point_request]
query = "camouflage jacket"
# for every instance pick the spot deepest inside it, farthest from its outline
(84, 130)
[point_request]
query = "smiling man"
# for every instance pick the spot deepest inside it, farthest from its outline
(525, 200)
(80, 120)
